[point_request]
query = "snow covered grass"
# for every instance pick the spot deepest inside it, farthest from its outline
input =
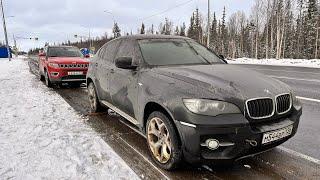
(41, 136)
(313, 63)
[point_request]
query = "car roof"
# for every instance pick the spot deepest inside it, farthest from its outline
(61, 46)
(147, 36)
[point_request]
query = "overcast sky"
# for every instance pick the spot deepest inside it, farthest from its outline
(58, 20)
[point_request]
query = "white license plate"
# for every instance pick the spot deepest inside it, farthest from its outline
(277, 134)
(75, 73)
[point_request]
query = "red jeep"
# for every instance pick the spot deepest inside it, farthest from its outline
(62, 64)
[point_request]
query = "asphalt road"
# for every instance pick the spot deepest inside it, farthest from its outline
(275, 164)
(306, 84)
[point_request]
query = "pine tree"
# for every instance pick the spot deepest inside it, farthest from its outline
(311, 28)
(224, 34)
(142, 30)
(298, 41)
(191, 28)
(198, 27)
(288, 31)
(177, 31)
(116, 30)
(166, 28)
(152, 29)
(183, 30)
(195, 30)
(214, 34)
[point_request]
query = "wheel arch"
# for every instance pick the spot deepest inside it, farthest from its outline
(89, 80)
(154, 106)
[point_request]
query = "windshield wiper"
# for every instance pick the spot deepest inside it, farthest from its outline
(198, 53)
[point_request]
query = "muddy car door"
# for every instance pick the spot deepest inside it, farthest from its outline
(123, 82)
(104, 67)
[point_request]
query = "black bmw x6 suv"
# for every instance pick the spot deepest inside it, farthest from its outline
(188, 102)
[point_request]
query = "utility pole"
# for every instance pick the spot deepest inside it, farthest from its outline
(15, 47)
(208, 26)
(5, 31)
(90, 44)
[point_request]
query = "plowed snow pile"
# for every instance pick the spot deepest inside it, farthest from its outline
(41, 136)
(313, 63)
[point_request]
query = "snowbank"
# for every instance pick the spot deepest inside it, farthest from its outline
(313, 63)
(41, 136)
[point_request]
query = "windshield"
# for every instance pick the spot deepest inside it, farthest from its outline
(165, 52)
(64, 52)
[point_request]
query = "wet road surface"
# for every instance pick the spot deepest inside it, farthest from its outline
(132, 147)
(275, 164)
(306, 83)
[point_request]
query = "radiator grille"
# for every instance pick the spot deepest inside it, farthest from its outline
(283, 103)
(260, 108)
(83, 66)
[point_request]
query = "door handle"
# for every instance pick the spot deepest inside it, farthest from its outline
(96, 64)
(111, 70)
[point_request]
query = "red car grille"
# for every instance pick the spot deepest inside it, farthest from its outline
(83, 66)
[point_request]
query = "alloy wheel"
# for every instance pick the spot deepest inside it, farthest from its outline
(159, 140)
(92, 97)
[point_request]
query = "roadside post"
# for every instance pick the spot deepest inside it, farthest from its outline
(5, 31)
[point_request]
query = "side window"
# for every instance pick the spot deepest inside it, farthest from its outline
(127, 49)
(48, 51)
(110, 50)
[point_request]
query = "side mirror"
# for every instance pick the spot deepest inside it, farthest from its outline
(223, 59)
(87, 56)
(125, 63)
(42, 54)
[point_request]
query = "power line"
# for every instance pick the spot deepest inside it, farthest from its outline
(169, 9)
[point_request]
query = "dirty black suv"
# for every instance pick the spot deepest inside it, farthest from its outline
(188, 102)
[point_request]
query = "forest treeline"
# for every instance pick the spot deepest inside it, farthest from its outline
(273, 29)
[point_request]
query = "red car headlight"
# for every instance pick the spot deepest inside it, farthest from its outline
(53, 65)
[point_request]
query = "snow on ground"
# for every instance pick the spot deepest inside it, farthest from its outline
(313, 63)
(41, 136)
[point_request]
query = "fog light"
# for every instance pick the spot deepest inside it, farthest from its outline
(212, 144)
(54, 74)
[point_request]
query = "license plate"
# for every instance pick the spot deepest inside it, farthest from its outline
(75, 73)
(277, 134)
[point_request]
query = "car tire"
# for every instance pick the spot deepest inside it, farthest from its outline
(95, 105)
(163, 145)
(41, 78)
(47, 79)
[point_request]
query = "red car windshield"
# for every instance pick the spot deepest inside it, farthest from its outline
(64, 52)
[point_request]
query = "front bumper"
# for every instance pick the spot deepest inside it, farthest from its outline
(57, 75)
(237, 135)
(66, 79)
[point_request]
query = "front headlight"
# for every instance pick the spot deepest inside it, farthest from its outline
(295, 101)
(54, 65)
(210, 107)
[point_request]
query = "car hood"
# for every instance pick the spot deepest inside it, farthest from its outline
(68, 60)
(227, 81)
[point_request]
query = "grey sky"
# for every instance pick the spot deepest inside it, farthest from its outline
(59, 20)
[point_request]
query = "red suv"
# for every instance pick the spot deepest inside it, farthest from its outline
(62, 64)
